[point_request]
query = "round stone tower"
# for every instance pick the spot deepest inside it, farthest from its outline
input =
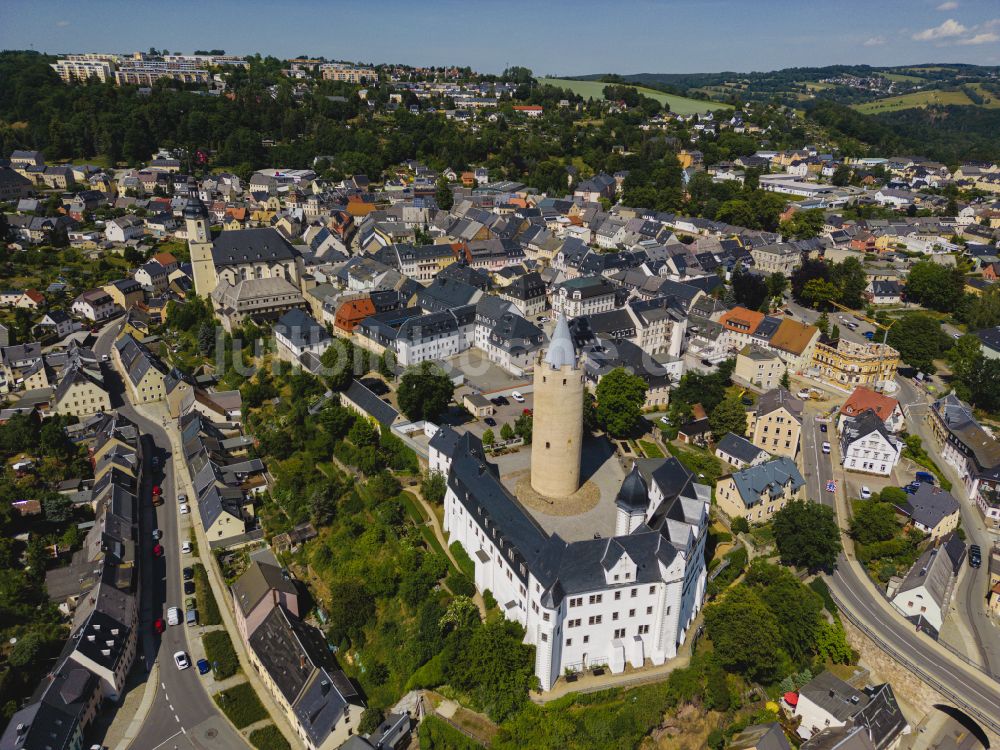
(557, 432)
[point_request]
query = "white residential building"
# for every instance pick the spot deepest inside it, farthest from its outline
(867, 446)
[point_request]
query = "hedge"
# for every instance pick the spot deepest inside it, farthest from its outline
(220, 652)
(269, 738)
(208, 609)
(436, 734)
(464, 561)
(241, 705)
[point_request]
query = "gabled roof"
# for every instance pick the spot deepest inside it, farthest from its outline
(863, 399)
(777, 478)
(739, 448)
(251, 246)
(793, 336)
(779, 398)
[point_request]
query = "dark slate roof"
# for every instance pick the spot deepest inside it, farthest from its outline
(738, 447)
(929, 505)
(761, 737)
(634, 494)
(777, 478)
(778, 398)
(445, 294)
(834, 696)
(240, 246)
(301, 329)
(990, 338)
(43, 727)
(864, 424)
(372, 405)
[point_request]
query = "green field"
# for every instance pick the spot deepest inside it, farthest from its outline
(900, 78)
(680, 105)
(915, 99)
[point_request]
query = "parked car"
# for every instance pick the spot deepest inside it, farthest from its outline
(203, 666)
(158, 626)
(157, 550)
(502, 401)
(826, 447)
(495, 401)
(865, 493)
(822, 428)
(191, 617)
(182, 498)
(804, 393)
(181, 660)
(924, 477)
(188, 574)
(516, 395)
(157, 533)
(173, 616)
(665, 420)
(184, 509)
(975, 556)
(490, 421)
(186, 548)
(157, 490)
(188, 587)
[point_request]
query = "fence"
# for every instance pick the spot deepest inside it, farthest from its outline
(991, 723)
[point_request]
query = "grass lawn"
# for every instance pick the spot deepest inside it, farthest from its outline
(650, 449)
(914, 99)
(698, 460)
(680, 105)
(900, 78)
(241, 705)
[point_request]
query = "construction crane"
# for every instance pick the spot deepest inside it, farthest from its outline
(865, 318)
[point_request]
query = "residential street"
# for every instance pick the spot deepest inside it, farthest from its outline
(866, 606)
(183, 714)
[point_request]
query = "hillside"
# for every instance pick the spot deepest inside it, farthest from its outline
(681, 105)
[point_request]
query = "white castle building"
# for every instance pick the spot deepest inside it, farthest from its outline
(616, 601)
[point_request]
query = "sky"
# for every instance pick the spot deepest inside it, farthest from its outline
(552, 37)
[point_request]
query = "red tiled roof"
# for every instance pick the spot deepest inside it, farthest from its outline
(865, 398)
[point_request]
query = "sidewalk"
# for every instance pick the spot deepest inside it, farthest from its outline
(158, 414)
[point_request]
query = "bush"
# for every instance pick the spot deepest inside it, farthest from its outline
(489, 599)
(436, 734)
(208, 608)
(465, 563)
(461, 585)
(371, 717)
(269, 738)
(220, 652)
(740, 525)
(241, 705)
(819, 586)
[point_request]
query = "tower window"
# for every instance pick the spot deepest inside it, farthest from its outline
(546, 443)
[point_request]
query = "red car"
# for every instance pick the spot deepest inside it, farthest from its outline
(157, 550)
(157, 490)
(527, 412)
(158, 626)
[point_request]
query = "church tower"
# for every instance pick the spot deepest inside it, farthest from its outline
(632, 503)
(200, 246)
(557, 432)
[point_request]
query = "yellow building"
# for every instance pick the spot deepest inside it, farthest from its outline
(80, 393)
(849, 364)
(759, 367)
(775, 424)
(143, 372)
(758, 492)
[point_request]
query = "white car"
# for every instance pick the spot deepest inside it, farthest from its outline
(185, 509)
(186, 548)
(665, 420)
(516, 395)
(181, 660)
(804, 393)
(173, 616)
(956, 335)
(826, 447)
(865, 493)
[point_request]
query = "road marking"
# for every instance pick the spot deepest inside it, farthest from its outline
(167, 740)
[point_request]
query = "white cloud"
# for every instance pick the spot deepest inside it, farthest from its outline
(62, 24)
(948, 29)
(986, 37)
(875, 41)
(950, 5)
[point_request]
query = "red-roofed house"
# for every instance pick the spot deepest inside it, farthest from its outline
(531, 110)
(886, 408)
(30, 299)
(740, 324)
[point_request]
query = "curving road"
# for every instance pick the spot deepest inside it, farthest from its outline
(183, 715)
(969, 688)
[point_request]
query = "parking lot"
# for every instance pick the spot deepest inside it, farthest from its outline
(482, 375)
(504, 413)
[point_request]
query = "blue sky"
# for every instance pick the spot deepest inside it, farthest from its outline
(549, 36)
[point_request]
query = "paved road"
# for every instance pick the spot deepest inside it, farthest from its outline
(183, 714)
(861, 601)
(969, 598)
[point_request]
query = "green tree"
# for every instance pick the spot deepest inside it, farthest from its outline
(339, 365)
(935, 286)
(984, 385)
(804, 225)
(352, 607)
(433, 487)
(819, 292)
(424, 392)
(965, 356)
(523, 427)
(507, 432)
(917, 338)
(742, 629)
(620, 396)
(823, 324)
(461, 614)
(443, 196)
(58, 508)
(371, 717)
(363, 434)
(807, 535)
(777, 283)
(786, 381)
(841, 175)
(873, 522)
(489, 438)
(496, 669)
(729, 416)
(750, 289)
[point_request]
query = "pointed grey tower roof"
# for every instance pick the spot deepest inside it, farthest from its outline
(195, 209)
(561, 351)
(633, 496)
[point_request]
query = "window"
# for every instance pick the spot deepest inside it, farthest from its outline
(569, 641)
(635, 593)
(586, 639)
(573, 623)
(614, 615)
(596, 598)
(652, 589)
(649, 610)
(643, 629)
(545, 616)
(631, 613)
(619, 633)
(618, 595)
(594, 620)
(576, 602)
